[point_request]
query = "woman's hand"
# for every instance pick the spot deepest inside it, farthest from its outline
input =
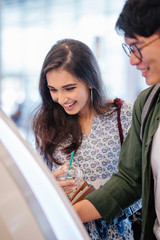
(67, 185)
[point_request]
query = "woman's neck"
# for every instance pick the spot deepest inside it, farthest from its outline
(86, 121)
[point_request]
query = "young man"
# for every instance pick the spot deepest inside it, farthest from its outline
(139, 164)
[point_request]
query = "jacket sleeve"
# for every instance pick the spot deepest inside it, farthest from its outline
(123, 188)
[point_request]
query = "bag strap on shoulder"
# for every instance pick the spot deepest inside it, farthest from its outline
(119, 102)
(150, 99)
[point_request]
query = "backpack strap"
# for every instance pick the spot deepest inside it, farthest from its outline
(119, 102)
(150, 99)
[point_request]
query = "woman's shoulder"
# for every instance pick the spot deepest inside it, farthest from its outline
(114, 104)
(120, 103)
(127, 106)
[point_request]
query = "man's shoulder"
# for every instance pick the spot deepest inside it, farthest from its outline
(140, 101)
(142, 97)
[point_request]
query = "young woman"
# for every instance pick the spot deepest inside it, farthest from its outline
(75, 116)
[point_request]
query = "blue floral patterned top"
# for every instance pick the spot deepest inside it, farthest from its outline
(98, 158)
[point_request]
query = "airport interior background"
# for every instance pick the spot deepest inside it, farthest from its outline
(28, 29)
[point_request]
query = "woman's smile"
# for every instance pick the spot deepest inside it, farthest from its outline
(69, 106)
(70, 92)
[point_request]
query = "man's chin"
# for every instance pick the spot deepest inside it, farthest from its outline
(151, 81)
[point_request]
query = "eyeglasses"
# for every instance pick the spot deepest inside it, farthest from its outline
(135, 50)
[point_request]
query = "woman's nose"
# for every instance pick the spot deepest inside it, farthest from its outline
(134, 60)
(61, 98)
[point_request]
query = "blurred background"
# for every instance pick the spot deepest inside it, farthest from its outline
(29, 28)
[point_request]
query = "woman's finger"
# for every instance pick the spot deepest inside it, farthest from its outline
(67, 183)
(62, 170)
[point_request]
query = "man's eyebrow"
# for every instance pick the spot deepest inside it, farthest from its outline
(134, 42)
(137, 42)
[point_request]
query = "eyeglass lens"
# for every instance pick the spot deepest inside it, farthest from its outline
(129, 49)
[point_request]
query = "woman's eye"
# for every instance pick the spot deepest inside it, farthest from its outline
(69, 89)
(52, 90)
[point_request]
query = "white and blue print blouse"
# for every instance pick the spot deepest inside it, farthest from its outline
(97, 157)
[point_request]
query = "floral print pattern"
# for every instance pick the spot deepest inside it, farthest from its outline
(98, 158)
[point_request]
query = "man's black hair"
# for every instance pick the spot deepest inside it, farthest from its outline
(141, 17)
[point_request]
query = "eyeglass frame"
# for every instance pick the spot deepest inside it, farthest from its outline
(124, 45)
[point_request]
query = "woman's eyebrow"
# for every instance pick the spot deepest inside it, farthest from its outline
(69, 85)
(65, 86)
(50, 87)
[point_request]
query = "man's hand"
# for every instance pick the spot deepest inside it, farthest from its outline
(86, 211)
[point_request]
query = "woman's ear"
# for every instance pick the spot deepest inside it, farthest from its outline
(90, 87)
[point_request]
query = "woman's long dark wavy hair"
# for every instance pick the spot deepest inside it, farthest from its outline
(51, 124)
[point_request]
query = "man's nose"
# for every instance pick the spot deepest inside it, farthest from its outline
(134, 60)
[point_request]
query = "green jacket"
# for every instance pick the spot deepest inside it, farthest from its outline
(134, 179)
